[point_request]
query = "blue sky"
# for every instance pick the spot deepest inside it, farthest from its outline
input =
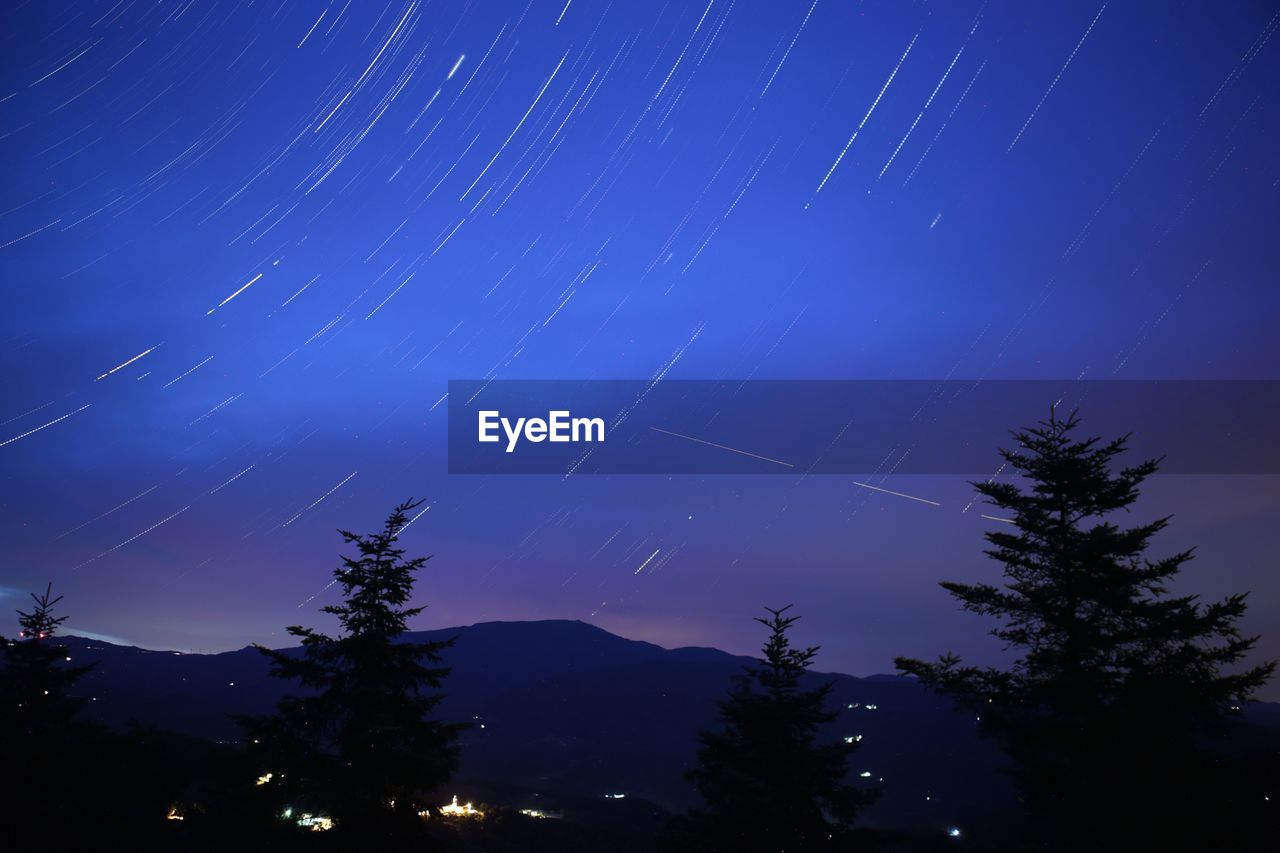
(604, 190)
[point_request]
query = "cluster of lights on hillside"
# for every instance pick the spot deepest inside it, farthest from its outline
(314, 822)
(540, 814)
(322, 823)
(455, 810)
(317, 823)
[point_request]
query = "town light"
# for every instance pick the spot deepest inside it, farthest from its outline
(455, 810)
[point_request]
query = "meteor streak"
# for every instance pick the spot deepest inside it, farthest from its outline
(897, 494)
(722, 447)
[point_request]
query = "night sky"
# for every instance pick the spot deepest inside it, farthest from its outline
(244, 246)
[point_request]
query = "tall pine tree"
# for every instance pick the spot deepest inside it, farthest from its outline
(768, 784)
(360, 744)
(1119, 684)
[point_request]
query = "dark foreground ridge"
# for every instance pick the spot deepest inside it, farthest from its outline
(565, 717)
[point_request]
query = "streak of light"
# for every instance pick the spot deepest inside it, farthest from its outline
(326, 327)
(316, 502)
(553, 314)
(27, 412)
(313, 596)
(1056, 78)
(43, 426)
(788, 50)
(383, 243)
(680, 58)
(722, 447)
(209, 413)
(64, 65)
(415, 518)
(865, 118)
(449, 236)
(313, 27)
(299, 292)
(233, 479)
(188, 373)
(920, 114)
(516, 129)
(277, 364)
(480, 64)
(1258, 43)
(125, 364)
(648, 561)
(606, 543)
(365, 73)
(30, 233)
(134, 537)
(141, 494)
(990, 479)
(897, 494)
(242, 289)
(950, 115)
(391, 294)
(420, 114)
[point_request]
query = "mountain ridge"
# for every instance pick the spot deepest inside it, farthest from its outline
(566, 708)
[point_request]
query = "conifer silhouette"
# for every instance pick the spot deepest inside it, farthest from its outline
(769, 785)
(45, 746)
(1118, 682)
(35, 680)
(360, 745)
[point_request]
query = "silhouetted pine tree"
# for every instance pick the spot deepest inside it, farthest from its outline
(1119, 683)
(35, 680)
(41, 742)
(360, 745)
(767, 783)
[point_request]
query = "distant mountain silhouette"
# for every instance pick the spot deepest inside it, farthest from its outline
(565, 712)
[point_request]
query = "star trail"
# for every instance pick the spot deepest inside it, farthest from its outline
(244, 247)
